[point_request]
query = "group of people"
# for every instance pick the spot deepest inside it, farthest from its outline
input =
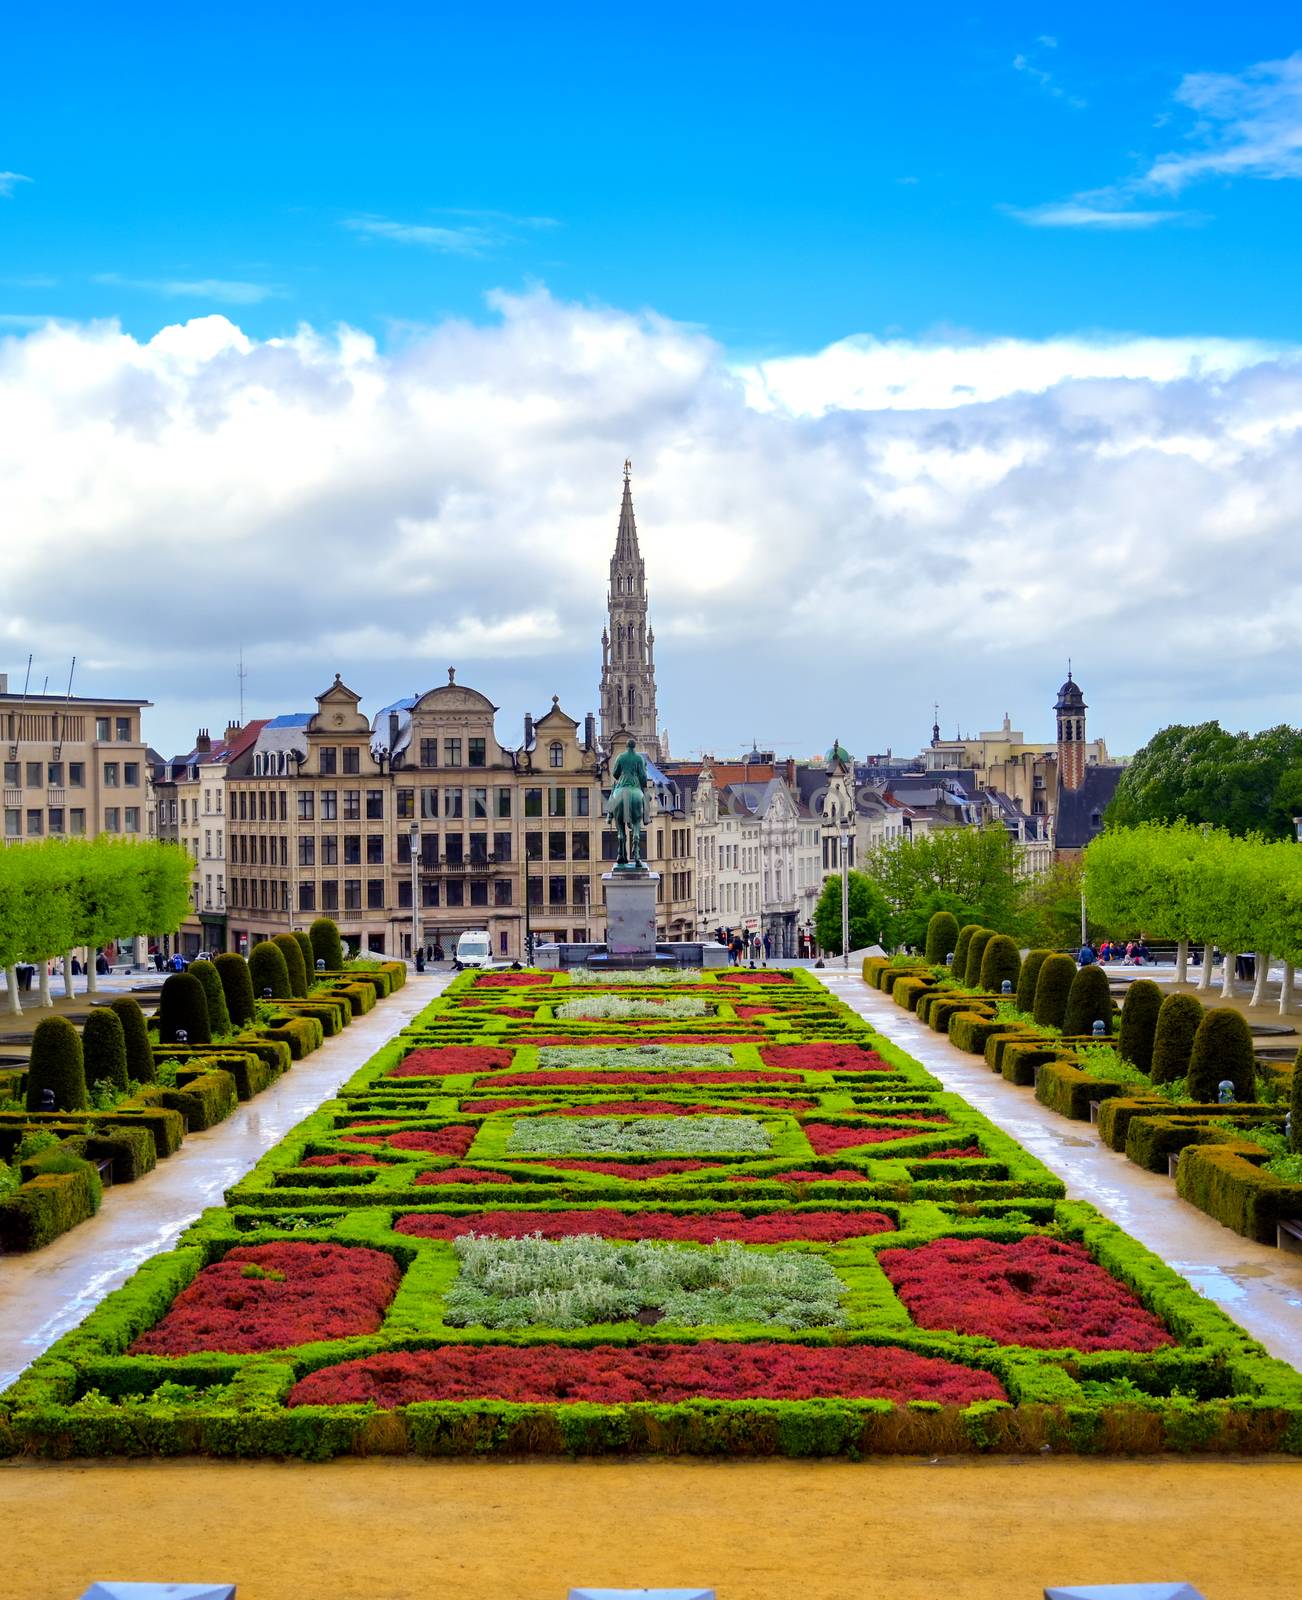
(1134, 953)
(430, 953)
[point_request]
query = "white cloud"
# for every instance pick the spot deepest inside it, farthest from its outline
(1025, 63)
(9, 181)
(222, 291)
(459, 241)
(832, 541)
(1248, 125)
(1076, 214)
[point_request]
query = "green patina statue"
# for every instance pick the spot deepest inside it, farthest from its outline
(626, 808)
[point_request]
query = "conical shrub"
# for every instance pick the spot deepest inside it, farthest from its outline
(1139, 1023)
(183, 1008)
(326, 944)
(1222, 1049)
(1030, 976)
(972, 972)
(305, 950)
(56, 1063)
(268, 972)
(237, 986)
(219, 1017)
(1000, 964)
(1088, 1001)
(1295, 1106)
(1177, 1022)
(942, 937)
(1052, 988)
(104, 1048)
(135, 1034)
(960, 950)
(287, 944)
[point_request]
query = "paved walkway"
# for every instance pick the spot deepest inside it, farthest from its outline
(1260, 1287)
(44, 1294)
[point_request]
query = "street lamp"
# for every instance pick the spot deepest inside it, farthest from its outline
(582, 886)
(846, 837)
(413, 836)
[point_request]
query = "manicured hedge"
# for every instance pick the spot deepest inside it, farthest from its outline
(1222, 1052)
(1000, 964)
(135, 1035)
(942, 937)
(1052, 990)
(1028, 978)
(104, 1048)
(237, 986)
(326, 944)
(183, 1008)
(56, 1065)
(268, 972)
(1139, 1015)
(1219, 1179)
(295, 966)
(219, 1018)
(975, 955)
(1089, 1000)
(1178, 1018)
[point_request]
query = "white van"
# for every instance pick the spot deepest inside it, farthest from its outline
(474, 949)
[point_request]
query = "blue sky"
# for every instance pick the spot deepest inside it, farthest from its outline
(780, 175)
(946, 343)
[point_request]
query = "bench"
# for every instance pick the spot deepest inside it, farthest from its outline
(105, 1170)
(1172, 1162)
(1288, 1236)
(1094, 1110)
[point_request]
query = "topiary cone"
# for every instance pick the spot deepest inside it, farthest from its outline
(56, 1063)
(1139, 1023)
(287, 944)
(326, 944)
(942, 937)
(183, 1007)
(1000, 964)
(237, 986)
(1222, 1048)
(1051, 990)
(1089, 1000)
(268, 972)
(135, 1033)
(104, 1048)
(1295, 1106)
(960, 949)
(305, 950)
(1177, 1022)
(219, 1017)
(1030, 976)
(972, 972)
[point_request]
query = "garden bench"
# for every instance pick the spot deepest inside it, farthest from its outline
(105, 1170)
(1288, 1236)
(1094, 1110)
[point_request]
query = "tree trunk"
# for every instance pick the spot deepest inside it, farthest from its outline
(1205, 976)
(1262, 958)
(67, 974)
(1182, 961)
(1286, 990)
(44, 966)
(15, 1005)
(1228, 987)
(92, 975)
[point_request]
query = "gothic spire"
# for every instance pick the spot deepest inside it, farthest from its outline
(626, 541)
(628, 685)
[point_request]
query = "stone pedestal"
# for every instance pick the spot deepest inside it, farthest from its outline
(631, 913)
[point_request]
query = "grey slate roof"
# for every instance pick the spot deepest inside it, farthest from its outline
(1080, 811)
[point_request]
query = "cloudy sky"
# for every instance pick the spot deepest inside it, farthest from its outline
(943, 350)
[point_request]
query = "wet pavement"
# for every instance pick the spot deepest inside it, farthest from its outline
(44, 1294)
(1257, 1285)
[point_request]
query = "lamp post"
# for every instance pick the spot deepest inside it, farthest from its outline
(846, 836)
(413, 837)
(583, 907)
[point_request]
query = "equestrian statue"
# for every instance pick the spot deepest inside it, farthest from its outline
(626, 808)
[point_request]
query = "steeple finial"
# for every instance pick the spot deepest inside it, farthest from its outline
(628, 469)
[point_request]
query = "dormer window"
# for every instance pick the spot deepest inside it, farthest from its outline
(556, 753)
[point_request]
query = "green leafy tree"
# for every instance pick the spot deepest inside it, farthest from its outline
(56, 1064)
(974, 866)
(1178, 1021)
(1089, 1000)
(268, 972)
(104, 1048)
(870, 915)
(327, 945)
(135, 1034)
(912, 926)
(1000, 964)
(1048, 907)
(1052, 988)
(1222, 1050)
(942, 936)
(1246, 783)
(1139, 1015)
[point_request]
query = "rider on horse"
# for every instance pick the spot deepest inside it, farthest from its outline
(626, 808)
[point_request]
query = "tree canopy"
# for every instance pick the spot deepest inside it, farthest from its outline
(1243, 782)
(969, 871)
(870, 916)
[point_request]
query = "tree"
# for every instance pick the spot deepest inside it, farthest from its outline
(309, 959)
(237, 986)
(268, 972)
(974, 866)
(104, 1048)
(326, 944)
(975, 950)
(1028, 978)
(1139, 1015)
(135, 1033)
(942, 937)
(1177, 1023)
(1245, 783)
(1000, 964)
(1048, 906)
(1052, 988)
(870, 915)
(288, 946)
(1295, 1107)
(56, 1064)
(219, 1017)
(912, 926)
(1222, 1050)
(183, 1008)
(1089, 1000)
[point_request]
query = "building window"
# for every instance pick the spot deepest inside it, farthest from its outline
(102, 729)
(479, 805)
(452, 803)
(352, 759)
(452, 752)
(429, 752)
(54, 774)
(502, 848)
(406, 804)
(556, 802)
(456, 892)
(610, 847)
(307, 897)
(478, 892)
(556, 891)
(306, 805)
(533, 847)
(306, 851)
(404, 895)
(131, 776)
(329, 849)
(556, 754)
(113, 824)
(352, 849)
(13, 822)
(556, 847)
(375, 894)
(429, 894)
(77, 821)
(533, 803)
(375, 805)
(502, 892)
(329, 805)
(478, 849)
(429, 803)
(580, 802)
(352, 894)
(582, 890)
(34, 774)
(452, 849)
(503, 804)
(123, 730)
(375, 849)
(110, 774)
(328, 760)
(352, 805)
(330, 895)
(77, 774)
(477, 753)
(12, 770)
(580, 845)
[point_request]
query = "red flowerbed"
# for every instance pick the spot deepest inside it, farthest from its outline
(824, 1058)
(510, 980)
(627, 1169)
(753, 977)
(319, 1291)
(460, 1175)
(828, 1137)
(774, 1227)
(449, 1059)
(339, 1160)
(795, 1175)
(644, 1107)
(747, 1012)
(692, 1077)
(432, 1141)
(584, 1039)
(964, 1150)
(611, 1375)
(502, 1103)
(1037, 1291)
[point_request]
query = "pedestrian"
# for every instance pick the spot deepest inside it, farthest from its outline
(438, 949)
(1086, 956)
(768, 944)
(735, 948)
(420, 959)
(101, 964)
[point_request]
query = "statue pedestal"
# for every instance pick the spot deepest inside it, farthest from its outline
(631, 914)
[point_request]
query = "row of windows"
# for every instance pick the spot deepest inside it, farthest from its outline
(57, 820)
(476, 753)
(120, 726)
(49, 774)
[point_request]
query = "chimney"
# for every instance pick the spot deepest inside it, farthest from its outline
(528, 731)
(203, 744)
(589, 732)
(233, 729)
(393, 732)
(4, 683)
(791, 773)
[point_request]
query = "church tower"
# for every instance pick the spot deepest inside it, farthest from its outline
(628, 667)
(1070, 709)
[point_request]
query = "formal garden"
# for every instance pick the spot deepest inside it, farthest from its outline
(711, 1214)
